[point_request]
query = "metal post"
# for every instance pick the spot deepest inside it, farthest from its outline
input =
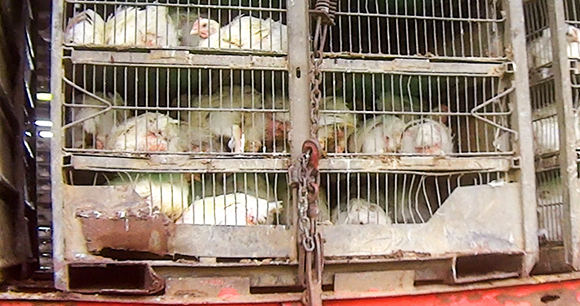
(565, 111)
(58, 243)
(298, 86)
(515, 33)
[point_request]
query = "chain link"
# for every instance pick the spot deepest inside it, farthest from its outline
(316, 58)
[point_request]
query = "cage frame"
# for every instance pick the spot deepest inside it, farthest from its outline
(297, 65)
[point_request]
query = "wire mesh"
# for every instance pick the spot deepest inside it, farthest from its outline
(546, 121)
(394, 197)
(228, 25)
(539, 42)
(550, 206)
(435, 29)
(414, 115)
(233, 199)
(123, 110)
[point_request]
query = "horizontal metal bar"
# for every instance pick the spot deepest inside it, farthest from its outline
(431, 57)
(175, 163)
(413, 66)
(178, 59)
(416, 164)
(419, 17)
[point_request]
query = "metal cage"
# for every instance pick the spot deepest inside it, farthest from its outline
(553, 48)
(179, 144)
(452, 30)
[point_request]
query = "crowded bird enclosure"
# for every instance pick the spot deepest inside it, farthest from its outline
(179, 125)
(553, 40)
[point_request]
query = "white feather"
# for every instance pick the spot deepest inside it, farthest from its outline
(250, 33)
(427, 136)
(147, 132)
(150, 27)
(547, 133)
(87, 27)
(231, 209)
(540, 49)
(99, 126)
(361, 212)
(379, 135)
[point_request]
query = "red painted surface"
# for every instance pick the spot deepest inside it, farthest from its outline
(562, 293)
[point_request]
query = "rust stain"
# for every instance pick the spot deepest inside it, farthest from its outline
(143, 234)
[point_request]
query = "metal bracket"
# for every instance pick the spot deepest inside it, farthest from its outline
(325, 10)
(575, 66)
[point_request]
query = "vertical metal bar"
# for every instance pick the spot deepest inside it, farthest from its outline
(298, 85)
(522, 118)
(565, 111)
(60, 272)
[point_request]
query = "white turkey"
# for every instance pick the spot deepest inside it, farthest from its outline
(243, 32)
(335, 125)
(379, 135)
(101, 119)
(86, 27)
(148, 132)
(360, 212)
(197, 139)
(407, 198)
(547, 133)
(540, 48)
(427, 136)
(148, 27)
(184, 20)
(243, 130)
(231, 209)
(167, 193)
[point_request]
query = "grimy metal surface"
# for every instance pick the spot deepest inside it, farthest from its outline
(567, 135)
(56, 87)
(553, 290)
(522, 118)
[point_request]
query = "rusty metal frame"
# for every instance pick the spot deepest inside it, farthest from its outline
(522, 117)
(299, 87)
(61, 280)
(565, 112)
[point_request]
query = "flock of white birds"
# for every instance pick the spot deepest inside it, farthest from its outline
(546, 129)
(155, 26)
(341, 131)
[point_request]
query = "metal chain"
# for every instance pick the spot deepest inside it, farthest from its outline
(304, 180)
(307, 175)
(316, 58)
